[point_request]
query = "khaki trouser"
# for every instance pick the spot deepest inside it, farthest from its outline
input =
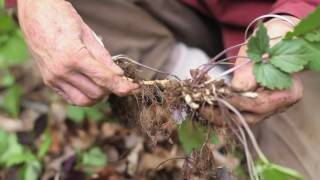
(149, 29)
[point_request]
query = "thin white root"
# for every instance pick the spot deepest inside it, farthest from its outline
(248, 131)
(252, 95)
(162, 83)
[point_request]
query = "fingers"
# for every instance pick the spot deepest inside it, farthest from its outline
(103, 71)
(243, 78)
(72, 94)
(86, 86)
(97, 50)
(102, 76)
(269, 101)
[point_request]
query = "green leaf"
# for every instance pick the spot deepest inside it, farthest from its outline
(93, 160)
(272, 171)
(20, 158)
(31, 170)
(7, 80)
(11, 100)
(258, 44)
(7, 23)
(314, 47)
(4, 38)
(290, 55)
(313, 36)
(12, 152)
(12, 155)
(2, 4)
(271, 77)
(308, 24)
(192, 136)
(3, 142)
(15, 51)
(45, 144)
(214, 138)
(76, 114)
(94, 114)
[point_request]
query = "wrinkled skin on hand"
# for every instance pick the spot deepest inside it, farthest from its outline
(71, 60)
(268, 102)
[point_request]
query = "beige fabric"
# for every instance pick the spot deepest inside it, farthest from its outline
(149, 29)
(143, 29)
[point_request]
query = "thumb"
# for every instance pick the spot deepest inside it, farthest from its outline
(243, 78)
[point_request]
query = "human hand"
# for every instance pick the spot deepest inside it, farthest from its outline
(70, 58)
(268, 102)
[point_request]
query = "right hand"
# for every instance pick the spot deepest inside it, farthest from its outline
(268, 102)
(70, 58)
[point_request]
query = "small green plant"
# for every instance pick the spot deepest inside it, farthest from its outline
(299, 50)
(92, 160)
(192, 136)
(12, 153)
(273, 66)
(79, 114)
(13, 52)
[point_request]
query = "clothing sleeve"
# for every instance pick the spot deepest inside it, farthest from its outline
(297, 8)
(10, 3)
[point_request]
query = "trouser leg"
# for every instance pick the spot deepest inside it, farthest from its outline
(146, 30)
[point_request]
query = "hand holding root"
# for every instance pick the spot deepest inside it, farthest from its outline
(70, 58)
(267, 102)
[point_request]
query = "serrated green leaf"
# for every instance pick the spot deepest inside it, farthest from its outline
(308, 24)
(15, 51)
(11, 100)
(290, 55)
(31, 170)
(313, 36)
(258, 44)
(76, 114)
(314, 47)
(271, 77)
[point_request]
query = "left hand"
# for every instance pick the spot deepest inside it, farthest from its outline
(268, 102)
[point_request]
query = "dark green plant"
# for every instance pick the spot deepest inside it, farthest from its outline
(299, 50)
